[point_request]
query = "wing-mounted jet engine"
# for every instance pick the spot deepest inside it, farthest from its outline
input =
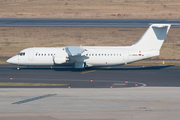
(61, 57)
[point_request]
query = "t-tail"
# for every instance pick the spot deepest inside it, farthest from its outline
(152, 40)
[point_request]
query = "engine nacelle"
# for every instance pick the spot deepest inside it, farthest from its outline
(60, 60)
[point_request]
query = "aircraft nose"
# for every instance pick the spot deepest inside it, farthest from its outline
(13, 60)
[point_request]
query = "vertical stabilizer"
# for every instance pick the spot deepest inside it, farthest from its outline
(153, 38)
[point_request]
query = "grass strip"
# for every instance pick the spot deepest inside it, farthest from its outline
(29, 84)
(3, 61)
(155, 63)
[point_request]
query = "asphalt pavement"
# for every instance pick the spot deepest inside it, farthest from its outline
(105, 93)
(34, 22)
(100, 77)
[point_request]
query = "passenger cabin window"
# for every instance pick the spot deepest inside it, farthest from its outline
(21, 53)
(51, 54)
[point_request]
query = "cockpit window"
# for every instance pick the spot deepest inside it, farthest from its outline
(21, 53)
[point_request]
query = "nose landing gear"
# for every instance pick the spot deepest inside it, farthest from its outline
(18, 67)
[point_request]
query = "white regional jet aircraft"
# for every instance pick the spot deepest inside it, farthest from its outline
(86, 56)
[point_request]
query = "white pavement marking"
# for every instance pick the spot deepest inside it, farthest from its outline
(107, 104)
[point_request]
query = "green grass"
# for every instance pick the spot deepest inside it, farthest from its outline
(154, 63)
(3, 61)
(29, 84)
(178, 45)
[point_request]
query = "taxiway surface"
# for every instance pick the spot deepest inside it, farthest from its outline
(34, 22)
(99, 101)
(104, 77)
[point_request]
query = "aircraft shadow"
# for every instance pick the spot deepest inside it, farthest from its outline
(97, 68)
(134, 68)
(114, 68)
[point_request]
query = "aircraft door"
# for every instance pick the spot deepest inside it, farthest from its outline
(126, 55)
(31, 55)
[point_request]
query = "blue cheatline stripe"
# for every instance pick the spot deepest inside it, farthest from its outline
(32, 99)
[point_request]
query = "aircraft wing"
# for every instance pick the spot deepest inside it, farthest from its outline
(74, 50)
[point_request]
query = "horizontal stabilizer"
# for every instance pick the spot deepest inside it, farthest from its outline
(160, 25)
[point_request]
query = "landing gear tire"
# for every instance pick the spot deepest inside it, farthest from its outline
(18, 67)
